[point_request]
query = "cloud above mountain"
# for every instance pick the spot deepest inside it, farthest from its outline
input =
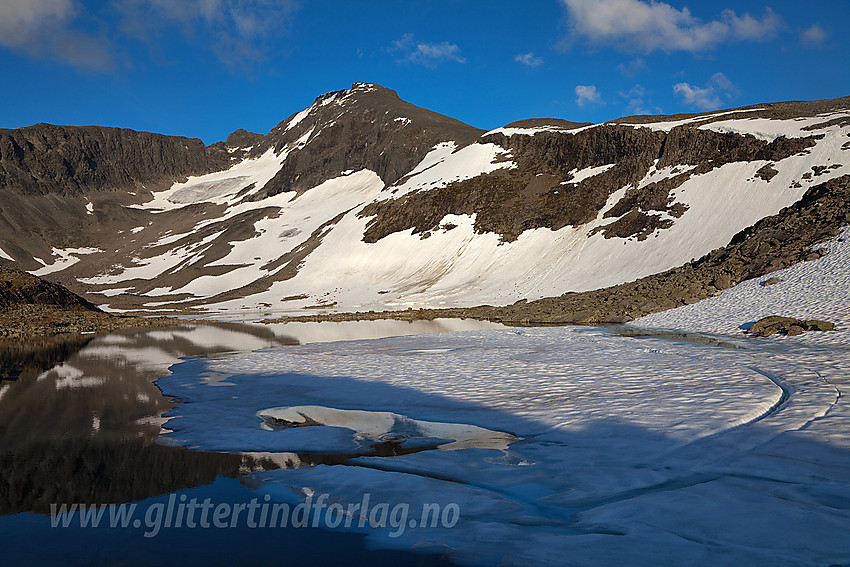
(424, 53)
(714, 94)
(236, 32)
(529, 59)
(586, 94)
(644, 27)
(46, 29)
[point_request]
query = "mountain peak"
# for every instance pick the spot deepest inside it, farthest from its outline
(365, 127)
(359, 91)
(368, 87)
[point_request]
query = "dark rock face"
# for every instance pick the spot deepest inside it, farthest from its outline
(538, 193)
(774, 324)
(767, 172)
(18, 287)
(366, 127)
(241, 138)
(66, 160)
(694, 146)
(635, 223)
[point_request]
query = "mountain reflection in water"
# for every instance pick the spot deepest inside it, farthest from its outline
(79, 420)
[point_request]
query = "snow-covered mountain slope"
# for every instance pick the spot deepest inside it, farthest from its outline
(363, 201)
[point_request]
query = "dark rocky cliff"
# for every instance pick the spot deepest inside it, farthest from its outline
(68, 160)
(20, 288)
(538, 192)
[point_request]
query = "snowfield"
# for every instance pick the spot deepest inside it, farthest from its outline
(458, 267)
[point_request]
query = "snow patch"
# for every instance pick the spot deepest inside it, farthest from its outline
(6, 256)
(113, 292)
(67, 257)
(445, 164)
(666, 126)
(220, 187)
(579, 175)
(770, 129)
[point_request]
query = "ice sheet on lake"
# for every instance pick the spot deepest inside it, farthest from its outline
(632, 449)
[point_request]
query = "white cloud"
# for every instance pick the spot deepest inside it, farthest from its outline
(638, 102)
(427, 54)
(647, 26)
(813, 35)
(44, 28)
(586, 94)
(20, 18)
(633, 67)
(713, 95)
(529, 59)
(235, 30)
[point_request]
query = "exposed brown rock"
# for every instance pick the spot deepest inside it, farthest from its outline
(33, 307)
(774, 324)
(241, 138)
(767, 172)
(44, 158)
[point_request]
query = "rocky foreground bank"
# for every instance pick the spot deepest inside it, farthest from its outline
(31, 307)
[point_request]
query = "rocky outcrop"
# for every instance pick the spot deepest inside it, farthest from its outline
(774, 324)
(241, 138)
(18, 288)
(33, 307)
(67, 160)
(767, 172)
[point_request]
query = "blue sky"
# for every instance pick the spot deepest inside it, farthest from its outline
(203, 68)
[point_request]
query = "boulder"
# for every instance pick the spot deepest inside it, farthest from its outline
(787, 326)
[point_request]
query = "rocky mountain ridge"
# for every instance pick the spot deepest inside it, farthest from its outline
(363, 200)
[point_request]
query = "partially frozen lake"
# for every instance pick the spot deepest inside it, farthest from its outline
(562, 445)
